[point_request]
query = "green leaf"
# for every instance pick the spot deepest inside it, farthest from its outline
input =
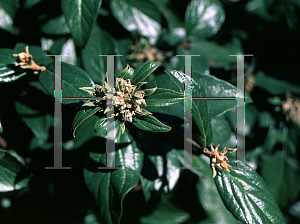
(164, 98)
(127, 73)
(172, 19)
(280, 171)
(82, 115)
(150, 123)
(173, 38)
(160, 171)
(197, 161)
(100, 124)
(86, 132)
(80, 17)
(140, 16)
(217, 55)
(2, 153)
(221, 131)
(8, 71)
(211, 201)
(199, 63)
(100, 43)
(202, 132)
(1, 128)
(262, 8)
(213, 87)
(8, 10)
(109, 187)
(73, 78)
(167, 213)
(149, 92)
(36, 120)
(143, 71)
(218, 88)
(246, 196)
(275, 86)
(204, 18)
(29, 3)
(13, 174)
(56, 26)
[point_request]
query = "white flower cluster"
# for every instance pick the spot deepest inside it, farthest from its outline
(127, 102)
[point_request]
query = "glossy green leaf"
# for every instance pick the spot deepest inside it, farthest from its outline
(173, 38)
(143, 71)
(204, 18)
(167, 213)
(140, 16)
(100, 43)
(280, 171)
(200, 165)
(217, 55)
(150, 123)
(73, 78)
(172, 19)
(56, 26)
(80, 17)
(164, 97)
(100, 124)
(199, 63)
(69, 49)
(8, 10)
(1, 128)
(246, 196)
(211, 201)
(8, 71)
(82, 115)
(275, 86)
(36, 120)
(53, 46)
(218, 88)
(86, 132)
(127, 73)
(221, 131)
(202, 132)
(160, 171)
(149, 92)
(13, 174)
(110, 186)
(213, 87)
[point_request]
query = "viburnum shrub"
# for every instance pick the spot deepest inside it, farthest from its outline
(121, 155)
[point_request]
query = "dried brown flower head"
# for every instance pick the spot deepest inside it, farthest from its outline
(250, 83)
(142, 52)
(291, 107)
(25, 61)
(218, 158)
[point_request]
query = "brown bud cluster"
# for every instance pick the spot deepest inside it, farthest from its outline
(218, 158)
(25, 61)
(143, 52)
(291, 107)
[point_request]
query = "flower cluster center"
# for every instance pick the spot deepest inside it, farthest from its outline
(127, 102)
